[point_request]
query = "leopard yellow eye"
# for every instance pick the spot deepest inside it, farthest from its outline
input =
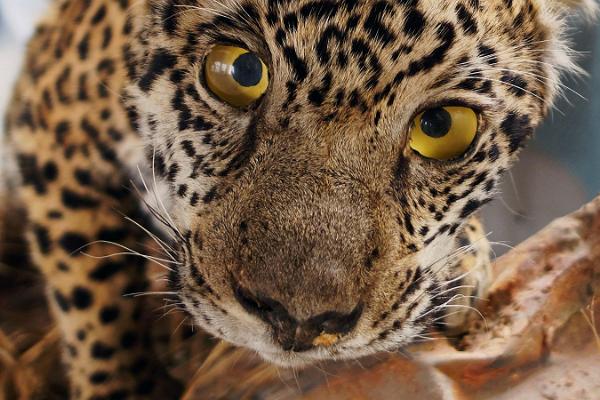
(236, 75)
(444, 133)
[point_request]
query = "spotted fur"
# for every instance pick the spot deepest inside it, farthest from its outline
(306, 213)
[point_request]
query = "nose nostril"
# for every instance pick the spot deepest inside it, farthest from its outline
(324, 330)
(335, 323)
(252, 303)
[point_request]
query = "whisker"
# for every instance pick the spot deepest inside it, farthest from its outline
(169, 251)
(179, 326)
(468, 308)
(158, 199)
(173, 232)
(127, 249)
(443, 292)
(142, 294)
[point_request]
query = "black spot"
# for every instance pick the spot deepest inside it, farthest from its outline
(372, 258)
(72, 243)
(61, 85)
(170, 16)
(106, 37)
(189, 148)
(113, 234)
(72, 350)
(408, 224)
(317, 96)
(99, 15)
(82, 298)
(447, 35)
(43, 238)
(488, 54)
(78, 201)
(516, 84)
(185, 113)
(62, 266)
(30, 172)
(102, 351)
(83, 47)
(25, 117)
(210, 196)
(466, 19)
(299, 66)
(194, 199)
(173, 171)
(109, 314)
(62, 130)
(82, 93)
(201, 125)
(328, 35)
(494, 153)
(128, 340)
(83, 177)
(414, 24)
(290, 21)
(99, 377)
(517, 128)
(62, 302)
(374, 23)
(115, 135)
(50, 171)
(106, 66)
(470, 208)
(412, 287)
(182, 190)
(106, 270)
(161, 61)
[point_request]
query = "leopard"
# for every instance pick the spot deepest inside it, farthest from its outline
(311, 170)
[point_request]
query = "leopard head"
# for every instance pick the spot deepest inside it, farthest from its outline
(323, 155)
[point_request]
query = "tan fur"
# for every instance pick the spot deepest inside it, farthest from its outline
(304, 227)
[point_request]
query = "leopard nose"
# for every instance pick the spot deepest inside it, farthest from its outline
(299, 336)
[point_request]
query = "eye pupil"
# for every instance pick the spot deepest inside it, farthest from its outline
(247, 70)
(436, 122)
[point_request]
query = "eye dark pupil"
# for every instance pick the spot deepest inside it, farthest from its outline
(436, 122)
(247, 70)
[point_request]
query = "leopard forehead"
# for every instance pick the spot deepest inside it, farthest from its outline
(313, 189)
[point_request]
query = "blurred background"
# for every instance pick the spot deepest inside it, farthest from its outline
(558, 172)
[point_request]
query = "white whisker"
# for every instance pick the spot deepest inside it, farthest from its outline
(142, 294)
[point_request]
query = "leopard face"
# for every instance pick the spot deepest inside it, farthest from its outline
(309, 227)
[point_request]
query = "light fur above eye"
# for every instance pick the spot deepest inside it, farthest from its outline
(236, 75)
(444, 133)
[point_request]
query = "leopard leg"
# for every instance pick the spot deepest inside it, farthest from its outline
(73, 138)
(471, 278)
(90, 290)
(75, 202)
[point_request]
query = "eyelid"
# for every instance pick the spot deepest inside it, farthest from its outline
(253, 47)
